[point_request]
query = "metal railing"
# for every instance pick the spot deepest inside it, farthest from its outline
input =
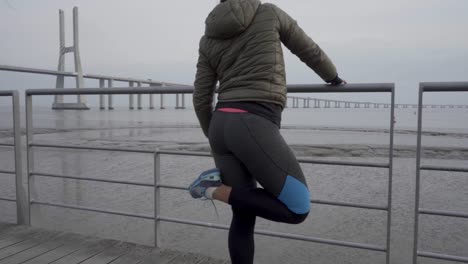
(22, 215)
(433, 87)
(157, 185)
(180, 103)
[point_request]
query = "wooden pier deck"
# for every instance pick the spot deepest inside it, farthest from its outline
(29, 245)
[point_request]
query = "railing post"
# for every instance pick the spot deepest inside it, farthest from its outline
(130, 97)
(30, 157)
(390, 176)
(139, 97)
(157, 176)
(418, 174)
(102, 104)
(110, 105)
(22, 205)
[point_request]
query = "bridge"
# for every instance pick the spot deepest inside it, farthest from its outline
(308, 102)
(107, 82)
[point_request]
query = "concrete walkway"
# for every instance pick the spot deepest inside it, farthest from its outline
(29, 245)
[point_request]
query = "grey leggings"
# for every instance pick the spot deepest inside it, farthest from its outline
(248, 149)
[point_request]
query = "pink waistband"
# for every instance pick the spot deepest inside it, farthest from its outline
(231, 110)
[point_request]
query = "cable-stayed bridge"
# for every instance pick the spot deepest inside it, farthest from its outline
(180, 102)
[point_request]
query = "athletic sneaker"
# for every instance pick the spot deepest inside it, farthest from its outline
(210, 178)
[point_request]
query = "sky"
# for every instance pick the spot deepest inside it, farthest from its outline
(398, 41)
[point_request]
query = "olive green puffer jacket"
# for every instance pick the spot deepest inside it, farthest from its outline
(242, 50)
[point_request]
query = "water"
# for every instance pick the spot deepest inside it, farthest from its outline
(335, 134)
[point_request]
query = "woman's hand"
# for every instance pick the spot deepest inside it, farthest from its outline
(337, 81)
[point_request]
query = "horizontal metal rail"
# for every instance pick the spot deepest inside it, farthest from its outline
(182, 89)
(6, 145)
(92, 209)
(432, 87)
(173, 187)
(346, 163)
(347, 88)
(123, 90)
(354, 205)
(218, 226)
(310, 161)
(91, 148)
(441, 168)
(184, 153)
(280, 235)
(7, 172)
(442, 213)
(7, 199)
(442, 256)
(6, 93)
(73, 74)
(36, 71)
(204, 154)
(444, 86)
(51, 175)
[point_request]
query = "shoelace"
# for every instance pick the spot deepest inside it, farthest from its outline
(214, 206)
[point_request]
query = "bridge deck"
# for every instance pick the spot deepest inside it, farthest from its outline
(20, 244)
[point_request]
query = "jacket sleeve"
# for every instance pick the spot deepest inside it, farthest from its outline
(205, 84)
(296, 40)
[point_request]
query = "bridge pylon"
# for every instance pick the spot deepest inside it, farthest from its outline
(59, 104)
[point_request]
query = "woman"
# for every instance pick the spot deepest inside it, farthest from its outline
(242, 50)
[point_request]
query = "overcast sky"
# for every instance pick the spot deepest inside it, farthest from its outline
(401, 41)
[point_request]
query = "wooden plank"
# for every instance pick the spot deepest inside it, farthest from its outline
(19, 244)
(19, 235)
(31, 253)
(35, 240)
(4, 226)
(39, 250)
(11, 238)
(183, 258)
(111, 253)
(16, 248)
(86, 252)
(7, 230)
(158, 257)
(134, 256)
(9, 241)
(73, 243)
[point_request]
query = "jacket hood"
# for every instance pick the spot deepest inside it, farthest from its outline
(230, 18)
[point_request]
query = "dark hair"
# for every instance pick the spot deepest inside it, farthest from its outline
(222, 1)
